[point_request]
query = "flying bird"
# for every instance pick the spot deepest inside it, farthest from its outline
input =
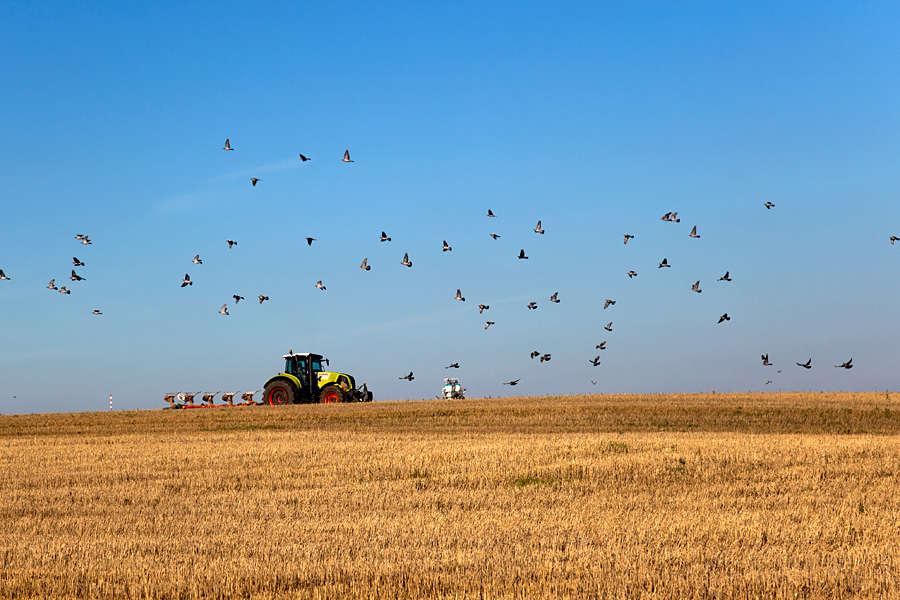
(197, 260)
(671, 217)
(459, 296)
(696, 287)
(319, 285)
(346, 156)
(693, 232)
(227, 145)
(186, 280)
(537, 228)
(408, 377)
(76, 262)
(806, 365)
(631, 274)
(310, 240)
(490, 214)
(237, 298)
(452, 366)
(765, 360)
(608, 326)
(845, 365)
(601, 345)
(554, 298)
(406, 262)
(627, 237)
(231, 243)
(488, 324)
(446, 247)
(262, 298)
(52, 285)
(724, 317)
(545, 357)
(85, 241)
(768, 205)
(223, 310)
(80, 236)
(725, 277)
(664, 263)
(63, 290)
(253, 180)
(532, 305)
(608, 303)
(522, 254)
(365, 265)
(514, 382)
(894, 238)
(535, 353)
(482, 308)
(495, 236)
(96, 312)
(304, 158)
(595, 362)
(384, 237)
(75, 276)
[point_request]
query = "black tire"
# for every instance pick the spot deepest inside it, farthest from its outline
(279, 393)
(331, 394)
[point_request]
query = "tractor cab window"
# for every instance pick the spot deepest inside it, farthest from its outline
(316, 365)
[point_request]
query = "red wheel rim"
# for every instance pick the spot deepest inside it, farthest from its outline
(278, 397)
(331, 397)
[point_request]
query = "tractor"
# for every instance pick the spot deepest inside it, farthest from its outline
(304, 382)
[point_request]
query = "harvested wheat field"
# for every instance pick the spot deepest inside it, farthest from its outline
(687, 496)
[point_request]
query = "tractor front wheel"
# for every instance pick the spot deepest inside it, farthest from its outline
(279, 393)
(331, 394)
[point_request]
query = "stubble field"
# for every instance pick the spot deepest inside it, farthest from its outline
(687, 496)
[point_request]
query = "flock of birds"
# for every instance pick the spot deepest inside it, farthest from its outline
(671, 217)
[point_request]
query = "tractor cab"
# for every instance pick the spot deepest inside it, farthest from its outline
(306, 368)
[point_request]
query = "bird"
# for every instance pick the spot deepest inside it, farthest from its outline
(671, 217)
(253, 180)
(186, 280)
(532, 305)
(319, 285)
(693, 232)
(96, 312)
(223, 310)
(608, 326)
(76, 262)
(545, 357)
(227, 145)
(494, 235)
(346, 156)
(237, 298)
(513, 382)
(408, 377)
(52, 285)
(628, 236)
(63, 290)
(894, 238)
(601, 345)
(632, 274)
(554, 298)
(85, 241)
(664, 263)
(446, 247)
(488, 324)
(768, 205)
(768, 381)
(75, 276)
(608, 303)
(365, 265)
(406, 262)
(459, 296)
(482, 308)
(490, 214)
(593, 382)
(806, 365)
(310, 240)
(231, 243)
(595, 361)
(667, 216)
(724, 317)
(262, 298)
(537, 228)
(452, 366)
(535, 353)
(765, 360)
(725, 277)
(522, 254)
(845, 365)
(696, 287)
(197, 260)
(304, 158)
(80, 236)
(384, 237)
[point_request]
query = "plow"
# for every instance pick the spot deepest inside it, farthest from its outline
(303, 381)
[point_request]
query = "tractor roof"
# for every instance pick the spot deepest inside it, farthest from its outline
(301, 354)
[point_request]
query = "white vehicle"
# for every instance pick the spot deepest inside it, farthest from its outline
(452, 389)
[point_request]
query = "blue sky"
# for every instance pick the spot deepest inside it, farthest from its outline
(596, 118)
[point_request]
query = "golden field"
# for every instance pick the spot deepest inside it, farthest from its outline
(657, 496)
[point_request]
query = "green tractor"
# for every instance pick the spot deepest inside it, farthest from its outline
(304, 382)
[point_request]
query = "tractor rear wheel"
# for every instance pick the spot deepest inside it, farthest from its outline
(331, 394)
(280, 392)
